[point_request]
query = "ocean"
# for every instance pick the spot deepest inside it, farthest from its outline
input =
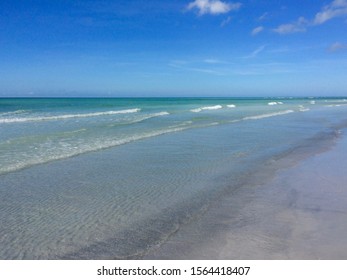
(114, 178)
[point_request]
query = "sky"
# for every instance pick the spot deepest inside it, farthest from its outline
(173, 48)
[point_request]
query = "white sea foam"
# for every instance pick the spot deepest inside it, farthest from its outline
(17, 112)
(303, 108)
(153, 116)
(216, 107)
(68, 116)
(313, 102)
(275, 103)
(257, 117)
(231, 106)
(161, 114)
(142, 118)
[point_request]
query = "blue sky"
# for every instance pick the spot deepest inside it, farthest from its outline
(173, 48)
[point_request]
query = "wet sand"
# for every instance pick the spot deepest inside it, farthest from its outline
(300, 213)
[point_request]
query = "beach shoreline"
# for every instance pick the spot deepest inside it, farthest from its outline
(300, 213)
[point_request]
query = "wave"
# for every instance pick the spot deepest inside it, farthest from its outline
(164, 113)
(68, 150)
(17, 112)
(275, 103)
(143, 118)
(151, 116)
(68, 116)
(216, 107)
(257, 117)
(231, 106)
(87, 148)
(303, 109)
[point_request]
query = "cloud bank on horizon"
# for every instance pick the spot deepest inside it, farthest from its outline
(184, 47)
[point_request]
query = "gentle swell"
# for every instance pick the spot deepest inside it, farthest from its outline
(68, 116)
(90, 147)
(68, 151)
(17, 112)
(150, 116)
(335, 105)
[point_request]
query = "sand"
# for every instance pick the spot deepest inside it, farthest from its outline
(299, 213)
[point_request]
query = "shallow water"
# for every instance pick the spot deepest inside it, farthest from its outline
(298, 212)
(111, 178)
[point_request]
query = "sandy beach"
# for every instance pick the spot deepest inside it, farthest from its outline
(301, 213)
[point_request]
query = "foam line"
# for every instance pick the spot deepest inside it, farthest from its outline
(257, 117)
(68, 116)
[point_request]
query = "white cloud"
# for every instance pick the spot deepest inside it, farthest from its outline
(257, 30)
(256, 52)
(263, 16)
(198, 66)
(213, 61)
(213, 7)
(225, 22)
(336, 8)
(299, 26)
(337, 47)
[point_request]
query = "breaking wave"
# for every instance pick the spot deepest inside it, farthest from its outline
(216, 107)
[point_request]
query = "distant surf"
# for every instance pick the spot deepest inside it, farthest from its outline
(215, 107)
(275, 103)
(67, 116)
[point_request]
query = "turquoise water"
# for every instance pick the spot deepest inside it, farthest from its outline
(111, 178)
